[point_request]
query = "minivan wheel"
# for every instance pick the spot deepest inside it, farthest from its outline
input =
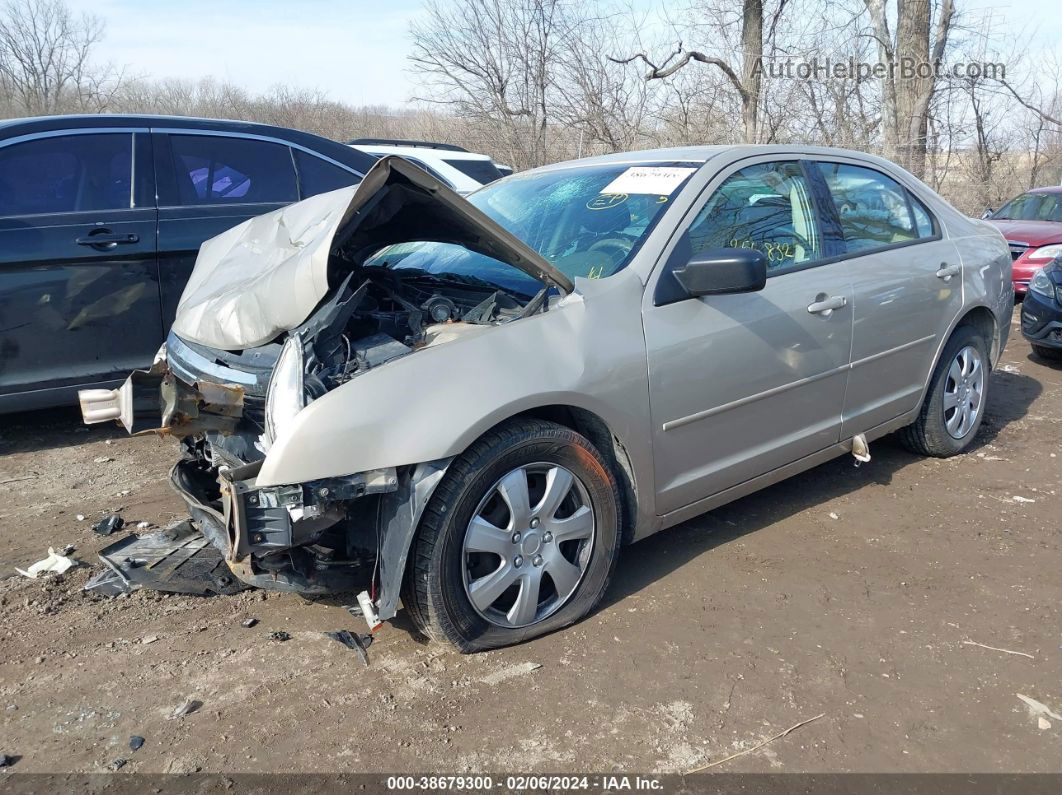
(954, 406)
(519, 539)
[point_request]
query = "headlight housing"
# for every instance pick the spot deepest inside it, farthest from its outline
(1046, 252)
(1041, 284)
(287, 393)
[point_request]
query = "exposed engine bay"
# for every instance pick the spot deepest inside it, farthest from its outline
(228, 404)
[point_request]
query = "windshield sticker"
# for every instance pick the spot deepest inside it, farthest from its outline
(651, 180)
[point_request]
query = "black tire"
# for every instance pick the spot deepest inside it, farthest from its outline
(928, 435)
(1054, 354)
(434, 591)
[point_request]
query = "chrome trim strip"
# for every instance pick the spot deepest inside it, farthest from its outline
(882, 354)
(78, 131)
(186, 357)
(700, 415)
(671, 425)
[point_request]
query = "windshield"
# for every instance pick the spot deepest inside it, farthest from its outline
(1032, 207)
(587, 221)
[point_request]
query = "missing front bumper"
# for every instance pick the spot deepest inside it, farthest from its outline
(155, 400)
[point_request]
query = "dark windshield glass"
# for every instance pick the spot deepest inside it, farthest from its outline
(586, 221)
(1032, 207)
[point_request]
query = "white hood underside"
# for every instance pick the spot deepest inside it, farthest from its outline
(262, 277)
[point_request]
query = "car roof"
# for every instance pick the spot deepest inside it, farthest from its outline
(1046, 189)
(422, 152)
(702, 154)
(344, 154)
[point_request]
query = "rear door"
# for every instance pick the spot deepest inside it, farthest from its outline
(743, 384)
(210, 182)
(907, 283)
(79, 292)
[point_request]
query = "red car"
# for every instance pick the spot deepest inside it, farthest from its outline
(1032, 225)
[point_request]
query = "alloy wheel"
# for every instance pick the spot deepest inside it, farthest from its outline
(528, 545)
(964, 392)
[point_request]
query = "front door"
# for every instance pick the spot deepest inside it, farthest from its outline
(79, 292)
(742, 384)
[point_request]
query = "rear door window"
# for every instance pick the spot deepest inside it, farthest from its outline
(875, 211)
(67, 173)
(215, 169)
(320, 176)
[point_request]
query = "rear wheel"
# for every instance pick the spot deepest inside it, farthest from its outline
(519, 539)
(954, 407)
(1047, 353)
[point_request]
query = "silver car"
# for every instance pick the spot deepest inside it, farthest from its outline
(473, 404)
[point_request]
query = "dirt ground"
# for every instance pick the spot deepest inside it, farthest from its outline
(861, 593)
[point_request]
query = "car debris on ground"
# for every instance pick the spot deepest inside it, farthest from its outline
(55, 563)
(279, 635)
(108, 525)
(247, 623)
(136, 742)
(354, 641)
(186, 708)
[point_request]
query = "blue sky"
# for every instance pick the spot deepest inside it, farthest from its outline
(355, 50)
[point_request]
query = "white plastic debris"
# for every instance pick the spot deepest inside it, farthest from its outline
(1018, 498)
(860, 449)
(1038, 709)
(54, 562)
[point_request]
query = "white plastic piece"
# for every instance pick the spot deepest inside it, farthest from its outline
(368, 611)
(54, 562)
(860, 448)
(102, 405)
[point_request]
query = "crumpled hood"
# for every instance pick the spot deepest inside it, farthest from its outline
(267, 275)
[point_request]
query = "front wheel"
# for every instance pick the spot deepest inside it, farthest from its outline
(519, 539)
(955, 403)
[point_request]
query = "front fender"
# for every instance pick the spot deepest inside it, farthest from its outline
(432, 404)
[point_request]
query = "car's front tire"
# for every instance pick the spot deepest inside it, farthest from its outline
(954, 406)
(519, 539)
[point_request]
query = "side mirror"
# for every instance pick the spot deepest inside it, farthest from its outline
(723, 270)
(987, 213)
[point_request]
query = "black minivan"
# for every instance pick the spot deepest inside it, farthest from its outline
(101, 218)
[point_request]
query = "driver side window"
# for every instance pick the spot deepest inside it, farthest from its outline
(766, 207)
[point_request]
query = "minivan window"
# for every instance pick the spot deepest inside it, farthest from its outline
(874, 210)
(214, 169)
(320, 176)
(766, 207)
(66, 173)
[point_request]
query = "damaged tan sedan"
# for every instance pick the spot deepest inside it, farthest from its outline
(472, 404)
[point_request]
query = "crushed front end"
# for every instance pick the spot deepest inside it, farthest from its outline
(230, 401)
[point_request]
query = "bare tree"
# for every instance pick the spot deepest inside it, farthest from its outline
(747, 85)
(45, 59)
(911, 58)
(493, 62)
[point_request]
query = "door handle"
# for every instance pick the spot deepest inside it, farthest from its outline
(105, 240)
(824, 306)
(947, 271)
